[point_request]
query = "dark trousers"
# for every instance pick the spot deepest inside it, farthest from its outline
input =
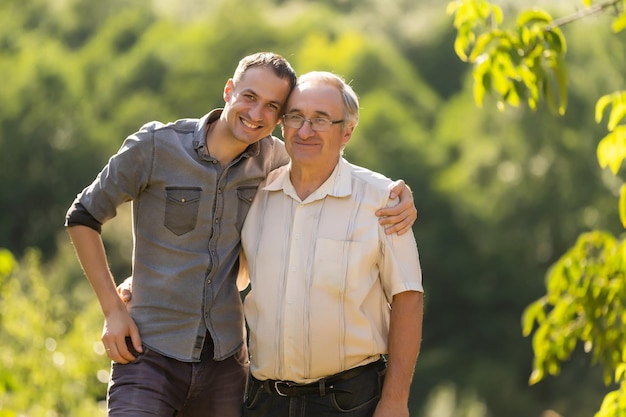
(155, 385)
(356, 397)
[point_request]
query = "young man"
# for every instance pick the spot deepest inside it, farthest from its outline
(331, 294)
(191, 184)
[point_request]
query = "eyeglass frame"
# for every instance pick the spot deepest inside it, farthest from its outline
(303, 119)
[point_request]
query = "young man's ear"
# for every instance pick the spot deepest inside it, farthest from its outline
(228, 90)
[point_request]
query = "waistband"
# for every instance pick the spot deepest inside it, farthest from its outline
(320, 387)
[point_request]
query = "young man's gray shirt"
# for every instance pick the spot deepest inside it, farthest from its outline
(188, 211)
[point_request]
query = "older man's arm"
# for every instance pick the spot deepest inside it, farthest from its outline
(405, 336)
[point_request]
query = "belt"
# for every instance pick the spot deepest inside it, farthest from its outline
(320, 387)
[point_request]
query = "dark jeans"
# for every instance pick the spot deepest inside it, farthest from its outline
(155, 385)
(358, 398)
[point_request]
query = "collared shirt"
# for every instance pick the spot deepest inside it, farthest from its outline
(188, 211)
(323, 274)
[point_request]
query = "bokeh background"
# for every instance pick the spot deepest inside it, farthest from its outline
(501, 194)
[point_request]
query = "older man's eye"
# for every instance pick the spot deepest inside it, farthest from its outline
(320, 121)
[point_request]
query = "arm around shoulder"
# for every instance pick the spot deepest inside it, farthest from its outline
(400, 218)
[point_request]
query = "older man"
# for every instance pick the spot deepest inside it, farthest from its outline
(335, 306)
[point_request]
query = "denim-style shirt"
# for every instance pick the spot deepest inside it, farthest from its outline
(188, 212)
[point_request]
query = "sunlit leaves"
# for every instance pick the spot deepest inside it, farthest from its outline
(619, 23)
(614, 403)
(468, 15)
(47, 363)
(585, 301)
(515, 65)
(586, 289)
(7, 263)
(529, 17)
(612, 148)
(618, 102)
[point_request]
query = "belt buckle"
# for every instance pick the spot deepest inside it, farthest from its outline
(278, 390)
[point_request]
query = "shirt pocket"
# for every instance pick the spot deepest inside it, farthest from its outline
(181, 209)
(331, 263)
(245, 196)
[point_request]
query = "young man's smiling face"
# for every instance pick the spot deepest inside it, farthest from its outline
(254, 105)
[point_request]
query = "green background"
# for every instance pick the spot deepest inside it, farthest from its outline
(501, 195)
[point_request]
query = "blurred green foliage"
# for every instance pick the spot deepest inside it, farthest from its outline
(51, 360)
(586, 291)
(501, 194)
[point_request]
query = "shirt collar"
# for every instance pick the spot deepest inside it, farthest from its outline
(199, 137)
(339, 183)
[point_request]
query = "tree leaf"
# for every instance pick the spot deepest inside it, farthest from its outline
(533, 16)
(461, 44)
(619, 23)
(601, 105)
(556, 40)
(496, 13)
(480, 46)
(612, 149)
(617, 114)
(533, 313)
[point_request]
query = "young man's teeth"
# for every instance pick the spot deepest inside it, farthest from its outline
(250, 125)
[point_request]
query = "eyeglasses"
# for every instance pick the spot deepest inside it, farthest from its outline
(318, 124)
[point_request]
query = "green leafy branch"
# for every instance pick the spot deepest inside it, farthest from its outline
(611, 150)
(586, 288)
(523, 63)
(516, 65)
(586, 301)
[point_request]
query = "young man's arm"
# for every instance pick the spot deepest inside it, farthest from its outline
(405, 336)
(117, 322)
(400, 218)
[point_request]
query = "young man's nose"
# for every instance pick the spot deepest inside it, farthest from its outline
(256, 111)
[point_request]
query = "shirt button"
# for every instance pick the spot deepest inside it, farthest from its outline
(208, 281)
(182, 200)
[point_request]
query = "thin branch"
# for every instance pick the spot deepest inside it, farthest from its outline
(581, 14)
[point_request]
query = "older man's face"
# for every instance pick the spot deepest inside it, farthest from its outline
(306, 146)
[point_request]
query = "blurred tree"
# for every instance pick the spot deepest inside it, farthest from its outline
(47, 125)
(51, 360)
(585, 300)
(499, 196)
